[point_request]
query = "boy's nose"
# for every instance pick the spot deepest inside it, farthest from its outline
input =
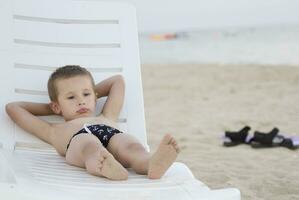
(81, 103)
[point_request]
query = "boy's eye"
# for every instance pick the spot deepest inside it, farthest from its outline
(70, 97)
(86, 94)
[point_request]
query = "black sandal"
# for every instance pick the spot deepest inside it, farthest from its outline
(273, 139)
(233, 138)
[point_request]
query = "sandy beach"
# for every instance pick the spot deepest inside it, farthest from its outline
(196, 103)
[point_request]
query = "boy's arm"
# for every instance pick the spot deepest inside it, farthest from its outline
(114, 88)
(24, 115)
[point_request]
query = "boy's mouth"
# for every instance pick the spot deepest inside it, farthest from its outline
(82, 110)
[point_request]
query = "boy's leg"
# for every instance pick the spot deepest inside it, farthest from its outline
(163, 157)
(87, 152)
(130, 153)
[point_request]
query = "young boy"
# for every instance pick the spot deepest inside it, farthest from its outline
(89, 141)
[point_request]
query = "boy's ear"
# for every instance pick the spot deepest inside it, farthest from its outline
(55, 107)
(97, 95)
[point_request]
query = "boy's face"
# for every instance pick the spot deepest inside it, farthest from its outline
(76, 97)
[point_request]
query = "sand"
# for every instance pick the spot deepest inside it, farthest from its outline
(196, 103)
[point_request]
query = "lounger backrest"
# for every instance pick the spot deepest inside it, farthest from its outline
(38, 36)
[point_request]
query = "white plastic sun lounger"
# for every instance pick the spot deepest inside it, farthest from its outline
(38, 36)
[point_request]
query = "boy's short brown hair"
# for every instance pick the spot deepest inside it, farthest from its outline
(67, 71)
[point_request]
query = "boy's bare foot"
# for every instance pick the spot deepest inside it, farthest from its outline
(163, 157)
(102, 163)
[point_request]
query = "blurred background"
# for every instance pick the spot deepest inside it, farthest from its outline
(214, 65)
(222, 32)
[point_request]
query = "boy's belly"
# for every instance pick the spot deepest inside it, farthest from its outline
(64, 132)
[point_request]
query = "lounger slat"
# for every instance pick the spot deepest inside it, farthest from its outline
(96, 64)
(64, 21)
(97, 35)
(52, 69)
(78, 10)
(41, 77)
(65, 49)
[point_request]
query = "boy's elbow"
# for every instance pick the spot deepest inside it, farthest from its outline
(120, 78)
(10, 107)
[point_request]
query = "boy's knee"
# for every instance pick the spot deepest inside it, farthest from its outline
(134, 146)
(90, 147)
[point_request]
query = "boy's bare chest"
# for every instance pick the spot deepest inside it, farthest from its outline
(65, 131)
